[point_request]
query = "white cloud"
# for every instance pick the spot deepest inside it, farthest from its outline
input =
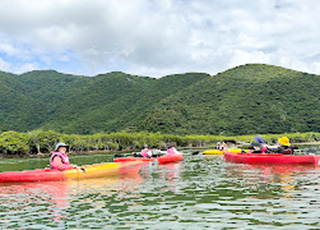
(4, 66)
(156, 38)
(9, 67)
(25, 67)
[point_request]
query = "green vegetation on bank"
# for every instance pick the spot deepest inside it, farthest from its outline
(248, 99)
(39, 141)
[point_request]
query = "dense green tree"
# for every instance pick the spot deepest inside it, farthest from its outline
(43, 141)
(12, 142)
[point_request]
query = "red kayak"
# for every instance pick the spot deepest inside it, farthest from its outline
(252, 158)
(170, 158)
(125, 159)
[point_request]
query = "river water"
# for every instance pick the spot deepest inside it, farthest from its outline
(202, 192)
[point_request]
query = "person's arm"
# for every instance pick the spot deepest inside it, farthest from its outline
(57, 162)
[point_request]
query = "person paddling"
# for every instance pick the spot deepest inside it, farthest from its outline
(285, 147)
(259, 146)
(223, 146)
(219, 146)
(146, 152)
(171, 149)
(59, 159)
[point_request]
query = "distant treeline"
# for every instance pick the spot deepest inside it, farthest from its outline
(40, 141)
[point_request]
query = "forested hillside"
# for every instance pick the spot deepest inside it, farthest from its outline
(245, 100)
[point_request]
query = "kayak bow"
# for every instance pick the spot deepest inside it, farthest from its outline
(170, 158)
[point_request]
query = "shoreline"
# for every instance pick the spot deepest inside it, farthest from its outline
(47, 155)
(308, 143)
(93, 152)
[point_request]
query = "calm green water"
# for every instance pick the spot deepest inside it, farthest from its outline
(199, 193)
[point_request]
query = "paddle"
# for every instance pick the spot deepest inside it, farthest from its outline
(137, 154)
(81, 168)
(118, 155)
(195, 153)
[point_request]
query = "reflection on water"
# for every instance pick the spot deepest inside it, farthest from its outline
(60, 203)
(200, 192)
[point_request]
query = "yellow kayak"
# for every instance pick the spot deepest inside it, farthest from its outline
(86, 171)
(104, 169)
(220, 152)
(213, 152)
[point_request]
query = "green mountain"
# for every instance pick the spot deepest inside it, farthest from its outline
(248, 99)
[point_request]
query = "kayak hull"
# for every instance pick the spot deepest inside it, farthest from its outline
(220, 152)
(213, 152)
(126, 159)
(250, 158)
(170, 158)
(90, 171)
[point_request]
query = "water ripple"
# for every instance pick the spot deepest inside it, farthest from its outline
(198, 193)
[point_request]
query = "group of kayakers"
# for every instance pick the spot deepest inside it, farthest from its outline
(146, 152)
(283, 146)
(59, 159)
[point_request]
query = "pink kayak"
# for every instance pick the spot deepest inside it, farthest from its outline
(125, 159)
(170, 158)
(252, 158)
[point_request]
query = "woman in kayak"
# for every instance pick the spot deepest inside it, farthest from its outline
(171, 149)
(59, 159)
(146, 152)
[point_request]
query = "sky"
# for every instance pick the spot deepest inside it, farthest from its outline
(158, 37)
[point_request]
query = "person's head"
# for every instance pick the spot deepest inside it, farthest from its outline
(218, 143)
(62, 147)
(145, 146)
(284, 141)
(169, 145)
